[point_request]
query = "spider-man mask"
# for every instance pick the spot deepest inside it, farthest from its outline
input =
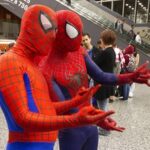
(38, 29)
(69, 35)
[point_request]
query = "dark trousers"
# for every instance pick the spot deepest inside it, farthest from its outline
(124, 89)
(80, 138)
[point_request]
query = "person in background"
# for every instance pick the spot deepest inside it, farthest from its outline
(93, 51)
(68, 2)
(137, 60)
(131, 33)
(138, 38)
(128, 54)
(105, 61)
(116, 24)
(119, 61)
(99, 45)
(121, 27)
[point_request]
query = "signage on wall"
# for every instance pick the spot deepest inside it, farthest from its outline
(18, 7)
(23, 4)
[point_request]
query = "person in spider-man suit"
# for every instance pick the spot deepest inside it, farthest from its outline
(32, 118)
(66, 69)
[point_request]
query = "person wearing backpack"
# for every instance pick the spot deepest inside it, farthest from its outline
(129, 66)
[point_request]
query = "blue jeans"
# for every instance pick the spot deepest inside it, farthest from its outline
(103, 104)
(125, 91)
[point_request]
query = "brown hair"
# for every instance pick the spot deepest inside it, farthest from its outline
(108, 37)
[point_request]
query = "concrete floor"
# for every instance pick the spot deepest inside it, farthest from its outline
(133, 114)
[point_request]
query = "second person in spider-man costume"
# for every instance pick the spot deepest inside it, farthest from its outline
(66, 69)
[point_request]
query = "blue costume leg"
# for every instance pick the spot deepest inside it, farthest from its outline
(92, 141)
(71, 139)
(78, 138)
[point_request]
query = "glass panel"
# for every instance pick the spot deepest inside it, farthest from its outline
(142, 7)
(9, 24)
(118, 6)
(107, 4)
(129, 9)
(149, 13)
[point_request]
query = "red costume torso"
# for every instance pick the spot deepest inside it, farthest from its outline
(68, 71)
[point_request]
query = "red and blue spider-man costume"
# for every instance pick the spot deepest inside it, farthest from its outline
(24, 95)
(66, 69)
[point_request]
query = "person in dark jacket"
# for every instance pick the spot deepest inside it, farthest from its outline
(93, 51)
(106, 61)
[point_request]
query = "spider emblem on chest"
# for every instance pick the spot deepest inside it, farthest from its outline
(77, 79)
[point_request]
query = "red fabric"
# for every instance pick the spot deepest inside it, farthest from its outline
(32, 41)
(140, 75)
(128, 52)
(63, 42)
(66, 62)
(129, 49)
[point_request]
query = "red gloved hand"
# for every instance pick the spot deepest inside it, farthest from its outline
(110, 124)
(90, 115)
(140, 75)
(85, 94)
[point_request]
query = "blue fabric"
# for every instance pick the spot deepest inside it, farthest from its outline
(97, 74)
(81, 138)
(125, 91)
(63, 94)
(61, 91)
(12, 126)
(103, 104)
(31, 103)
(90, 53)
(94, 102)
(30, 146)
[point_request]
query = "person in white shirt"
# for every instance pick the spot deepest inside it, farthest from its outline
(138, 38)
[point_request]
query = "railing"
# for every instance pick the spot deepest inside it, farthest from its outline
(105, 23)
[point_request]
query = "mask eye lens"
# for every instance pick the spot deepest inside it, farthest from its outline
(45, 22)
(71, 31)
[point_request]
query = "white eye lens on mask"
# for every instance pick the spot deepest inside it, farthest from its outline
(45, 22)
(71, 31)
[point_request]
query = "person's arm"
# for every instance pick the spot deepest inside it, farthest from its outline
(141, 75)
(16, 92)
(97, 74)
(66, 105)
(137, 59)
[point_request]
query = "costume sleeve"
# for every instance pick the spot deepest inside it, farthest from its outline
(16, 92)
(97, 74)
(64, 105)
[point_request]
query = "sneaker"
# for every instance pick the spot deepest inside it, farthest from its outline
(130, 95)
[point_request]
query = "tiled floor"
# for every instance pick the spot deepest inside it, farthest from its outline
(133, 114)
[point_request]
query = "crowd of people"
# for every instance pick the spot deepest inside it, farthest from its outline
(50, 77)
(134, 36)
(112, 59)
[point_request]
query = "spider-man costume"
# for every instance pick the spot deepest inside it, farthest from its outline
(66, 69)
(24, 95)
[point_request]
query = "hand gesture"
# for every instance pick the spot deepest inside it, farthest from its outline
(110, 124)
(90, 115)
(142, 74)
(85, 94)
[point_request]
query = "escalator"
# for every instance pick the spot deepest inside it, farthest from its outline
(93, 23)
